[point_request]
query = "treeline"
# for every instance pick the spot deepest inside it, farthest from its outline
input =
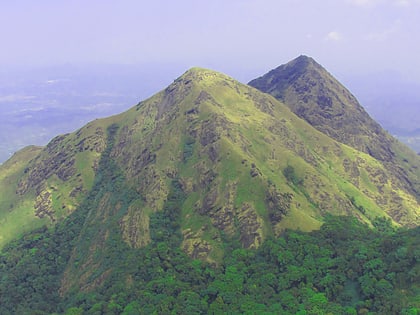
(344, 268)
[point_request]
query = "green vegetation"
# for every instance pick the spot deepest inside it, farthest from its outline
(226, 144)
(190, 202)
(290, 174)
(344, 268)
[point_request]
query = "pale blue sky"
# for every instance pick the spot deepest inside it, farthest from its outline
(240, 37)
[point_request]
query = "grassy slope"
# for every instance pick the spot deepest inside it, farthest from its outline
(16, 216)
(227, 144)
(249, 128)
(49, 181)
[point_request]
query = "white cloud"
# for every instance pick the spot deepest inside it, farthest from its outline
(334, 36)
(15, 98)
(97, 106)
(385, 34)
(375, 3)
(406, 3)
(364, 3)
(402, 3)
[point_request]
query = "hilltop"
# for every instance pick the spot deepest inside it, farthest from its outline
(313, 94)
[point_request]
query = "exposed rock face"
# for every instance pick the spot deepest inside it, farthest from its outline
(56, 166)
(278, 204)
(250, 226)
(194, 245)
(135, 227)
(43, 205)
(58, 162)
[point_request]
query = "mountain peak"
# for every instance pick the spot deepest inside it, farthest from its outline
(199, 74)
(195, 76)
(313, 94)
(195, 71)
(193, 80)
(277, 80)
(303, 59)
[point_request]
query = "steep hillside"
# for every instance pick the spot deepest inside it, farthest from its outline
(246, 164)
(17, 212)
(206, 165)
(315, 95)
(40, 186)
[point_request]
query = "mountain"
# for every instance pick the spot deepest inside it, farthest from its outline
(247, 165)
(206, 165)
(316, 96)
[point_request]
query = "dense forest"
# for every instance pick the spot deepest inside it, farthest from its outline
(344, 268)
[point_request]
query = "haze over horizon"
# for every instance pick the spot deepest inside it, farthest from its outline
(243, 38)
(66, 63)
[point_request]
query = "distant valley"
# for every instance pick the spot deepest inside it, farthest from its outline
(36, 105)
(392, 101)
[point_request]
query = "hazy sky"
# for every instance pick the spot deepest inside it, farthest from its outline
(234, 36)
